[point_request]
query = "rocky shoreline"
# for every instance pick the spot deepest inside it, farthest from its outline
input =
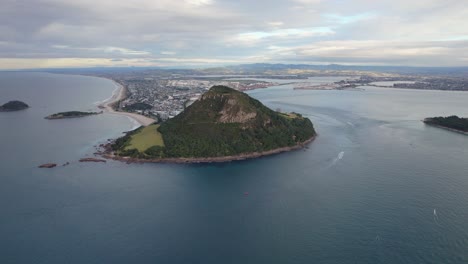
(92, 160)
(109, 155)
(53, 165)
(446, 128)
(64, 116)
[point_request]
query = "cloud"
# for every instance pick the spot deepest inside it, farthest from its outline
(254, 38)
(125, 51)
(168, 53)
(340, 19)
(380, 52)
(307, 2)
(276, 23)
(199, 2)
(430, 32)
(114, 50)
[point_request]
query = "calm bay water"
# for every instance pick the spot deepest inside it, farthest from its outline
(377, 185)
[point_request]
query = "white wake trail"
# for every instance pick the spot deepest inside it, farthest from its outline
(335, 160)
(340, 155)
(436, 218)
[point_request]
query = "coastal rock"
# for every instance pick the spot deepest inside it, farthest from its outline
(48, 165)
(92, 160)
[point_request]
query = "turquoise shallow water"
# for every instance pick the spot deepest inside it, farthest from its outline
(377, 185)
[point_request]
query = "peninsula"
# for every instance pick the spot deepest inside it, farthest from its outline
(71, 114)
(223, 125)
(453, 123)
(13, 106)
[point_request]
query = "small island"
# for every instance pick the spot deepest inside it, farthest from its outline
(71, 114)
(453, 123)
(223, 125)
(47, 166)
(13, 106)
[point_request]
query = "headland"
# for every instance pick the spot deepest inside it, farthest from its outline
(223, 125)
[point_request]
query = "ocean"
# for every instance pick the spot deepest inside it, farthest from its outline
(376, 186)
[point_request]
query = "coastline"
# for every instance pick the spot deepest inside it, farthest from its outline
(446, 128)
(210, 159)
(108, 105)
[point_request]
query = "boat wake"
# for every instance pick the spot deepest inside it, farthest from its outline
(340, 155)
(335, 160)
(436, 218)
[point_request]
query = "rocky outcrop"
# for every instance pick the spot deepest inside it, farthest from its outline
(48, 165)
(92, 160)
(233, 113)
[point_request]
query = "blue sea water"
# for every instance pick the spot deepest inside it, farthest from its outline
(376, 186)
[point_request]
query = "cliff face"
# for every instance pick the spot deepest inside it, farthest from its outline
(225, 105)
(231, 108)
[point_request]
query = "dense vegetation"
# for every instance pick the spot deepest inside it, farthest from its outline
(71, 114)
(224, 122)
(453, 122)
(13, 106)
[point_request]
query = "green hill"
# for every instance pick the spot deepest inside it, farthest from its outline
(223, 122)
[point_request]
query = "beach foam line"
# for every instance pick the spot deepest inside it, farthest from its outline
(117, 95)
(135, 123)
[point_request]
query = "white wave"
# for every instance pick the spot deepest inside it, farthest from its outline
(114, 94)
(135, 123)
(351, 124)
(101, 102)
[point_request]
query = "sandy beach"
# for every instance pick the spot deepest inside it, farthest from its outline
(117, 96)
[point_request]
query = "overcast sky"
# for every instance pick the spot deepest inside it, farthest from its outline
(58, 33)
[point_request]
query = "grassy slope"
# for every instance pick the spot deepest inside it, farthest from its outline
(148, 136)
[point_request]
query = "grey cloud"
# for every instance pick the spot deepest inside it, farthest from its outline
(166, 31)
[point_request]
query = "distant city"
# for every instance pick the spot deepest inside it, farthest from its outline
(162, 94)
